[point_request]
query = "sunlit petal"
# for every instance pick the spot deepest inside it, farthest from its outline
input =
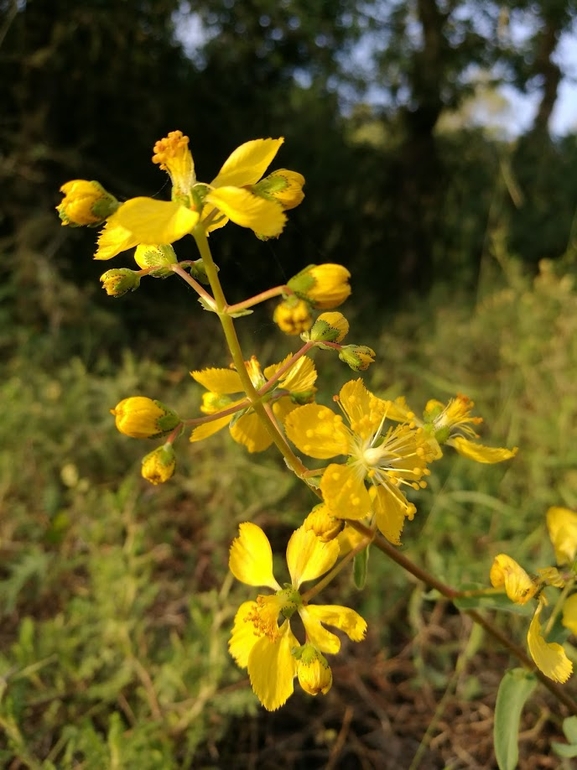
(343, 618)
(222, 381)
(345, 492)
(250, 431)
(570, 614)
(152, 221)
(247, 163)
(243, 637)
(272, 669)
(308, 557)
(264, 217)
(250, 558)
(479, 452)
(317, 431)
(550, 658)
(562, 527)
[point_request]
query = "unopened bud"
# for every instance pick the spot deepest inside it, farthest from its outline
(323, 286)
(358, 357)
(117, 282)
(283, 186)
(85, 203)
(293, 316)
(142, 417)
(329, 327)
(159, 465)
(157, 256)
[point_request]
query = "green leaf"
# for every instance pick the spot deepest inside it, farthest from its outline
(564, 749)
(570, 729)
(516, 686)
(360, 565)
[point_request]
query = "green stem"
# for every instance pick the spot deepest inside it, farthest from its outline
(235, 349)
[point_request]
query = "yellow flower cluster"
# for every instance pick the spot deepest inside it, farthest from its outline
(378, 451)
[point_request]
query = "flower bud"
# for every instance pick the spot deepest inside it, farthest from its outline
(323, 286)
(153, 255)
(141, 417)
(505, 572)
(313, 670)
(323, 523)
(158, 466)
(85, 203)
(117, 282)
(329, 327)
(358, 357)
(293, 316)
(283, 186)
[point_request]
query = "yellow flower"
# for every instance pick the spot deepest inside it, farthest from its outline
(549, 657)
(506, 572)
(85, 203)
(452, 424)
(141, 417)
(387, 461)
(246, 427)
(562, 527)
(293, 316)
(228, 196)
(159, 465)
(324, 287)
(262, 640)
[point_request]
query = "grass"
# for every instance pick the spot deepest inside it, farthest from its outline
(115, 597)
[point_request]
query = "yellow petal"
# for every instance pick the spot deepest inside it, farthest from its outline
(570, 614)
(152, 221)
(272, 669)
(480, 453)
(114, 239)
(264, 217)
(364, 411)
(249, 431)
(250, 558)
(283, 407)
(317, 634)
(390, 513)
(299, 378)
(562, 527)
(247, 163)
(308, 557)
(345, 492)
(222, 381)
(208, 429)
(343, 618)
(506, 572)
(550, 658)
(243, 637)
(317, 431)
(398, 410)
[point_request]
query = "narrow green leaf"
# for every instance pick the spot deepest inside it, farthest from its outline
(564, 749)
(570, 729)
(516, 686)
(360, 565)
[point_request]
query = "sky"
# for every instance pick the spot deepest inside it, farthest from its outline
(513, 121)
